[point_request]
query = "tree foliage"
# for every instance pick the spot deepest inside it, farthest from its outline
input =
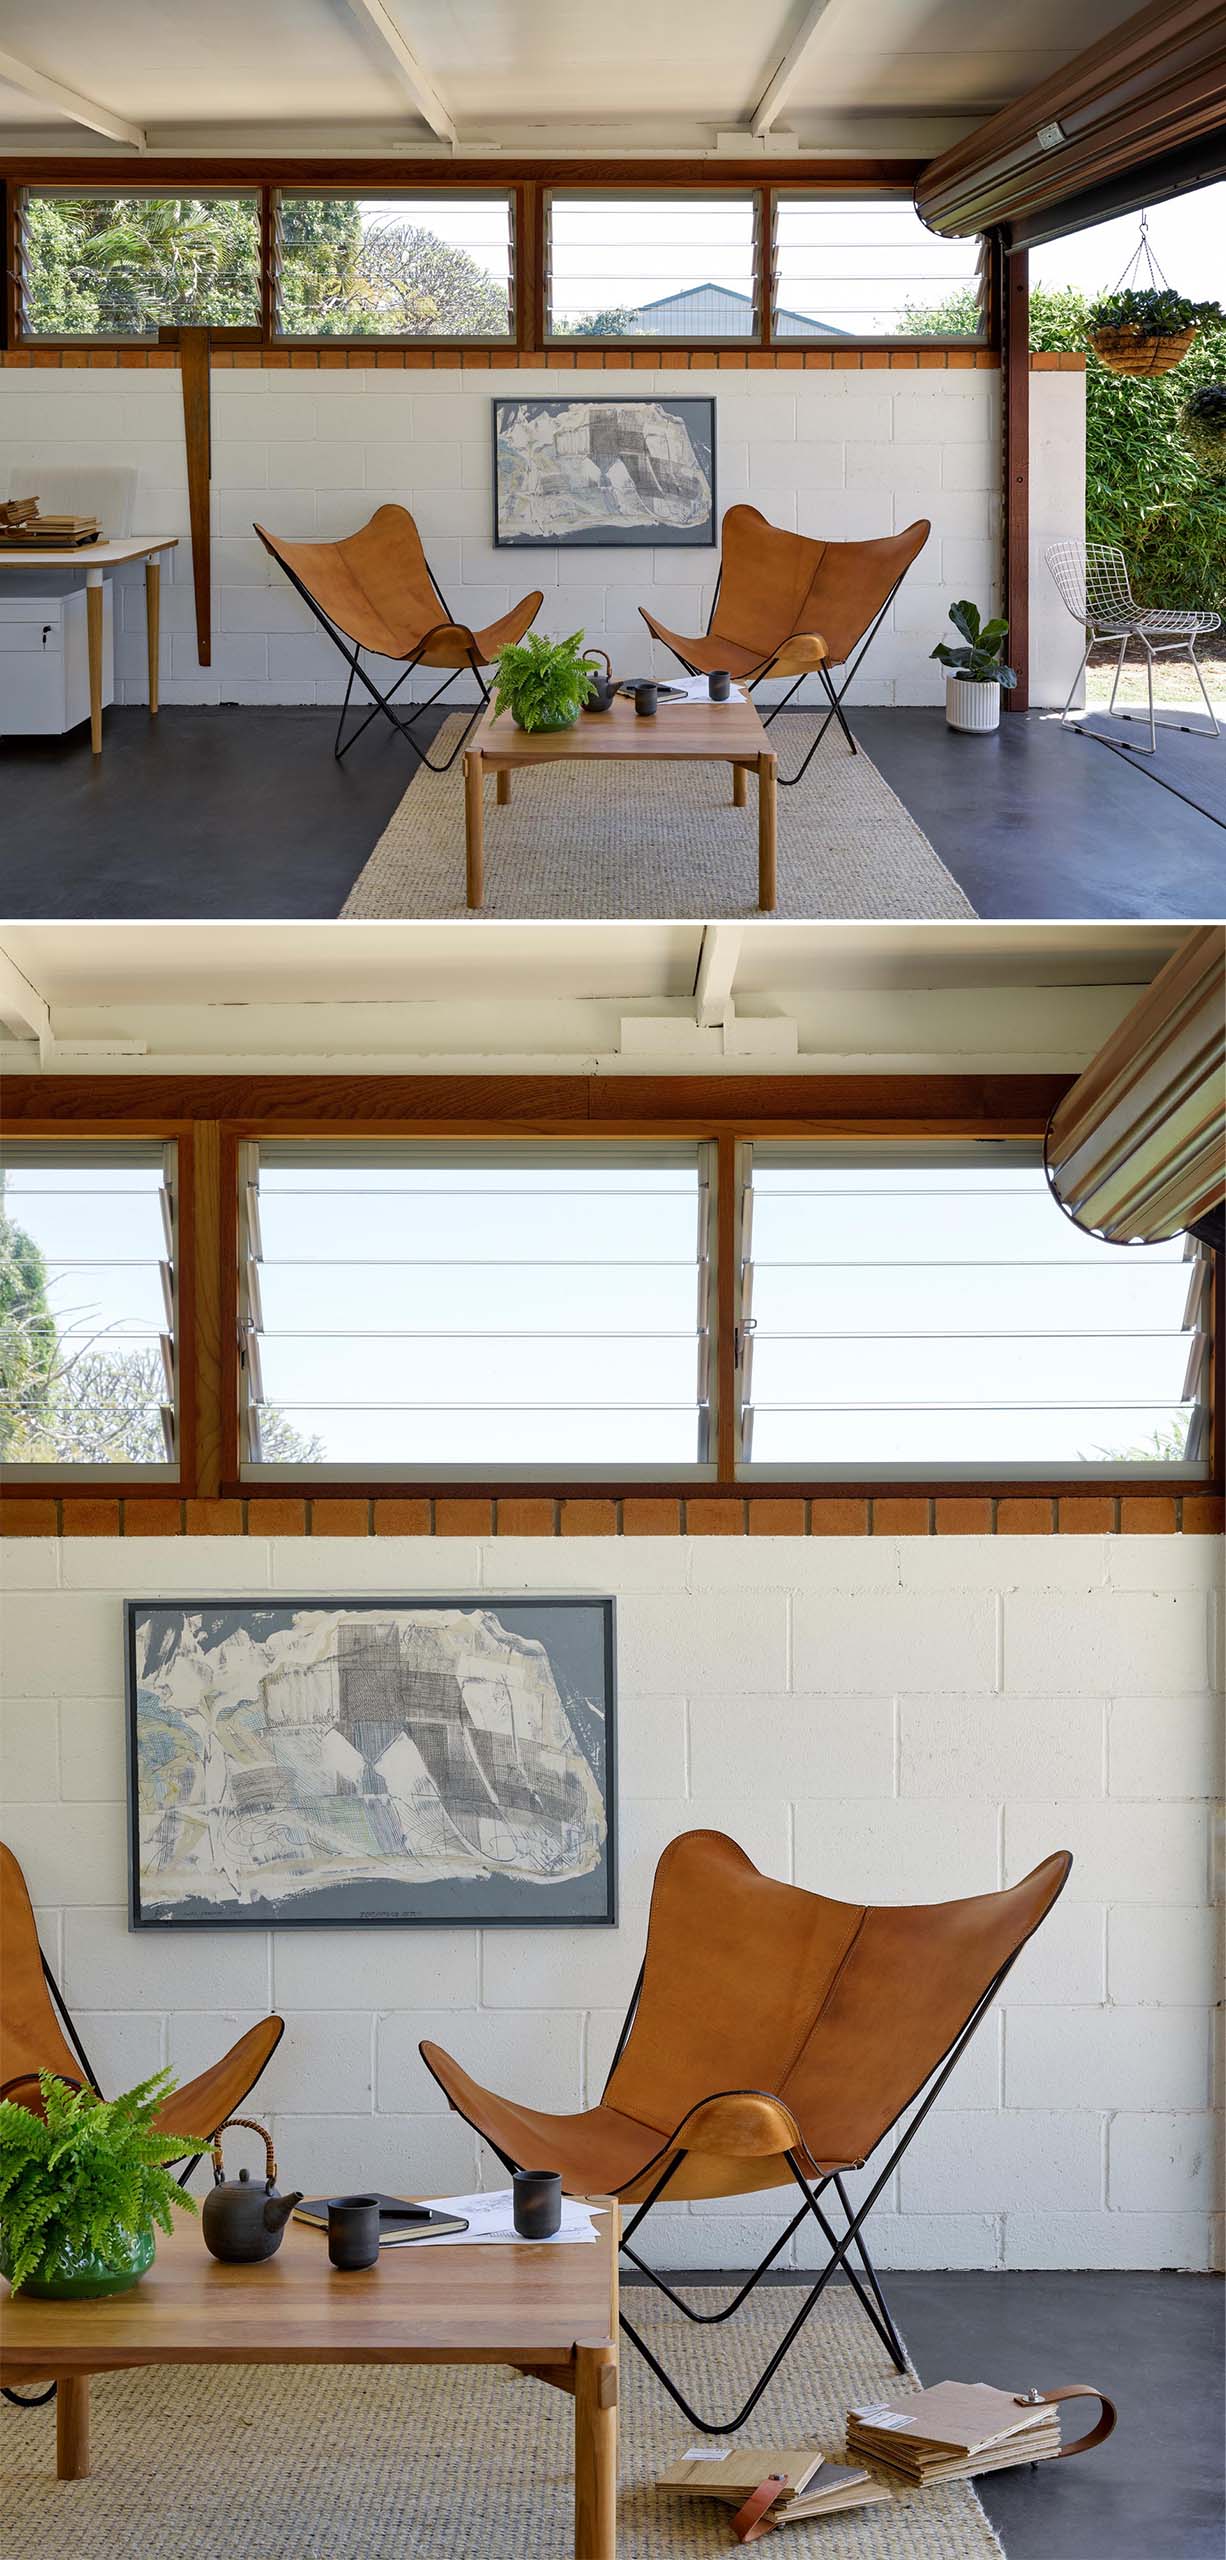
(1147, 490)
(119, 266)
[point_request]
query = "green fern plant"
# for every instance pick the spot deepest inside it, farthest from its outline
(87, 2174)
(544, 684)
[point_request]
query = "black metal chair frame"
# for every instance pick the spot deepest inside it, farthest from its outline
(868, 2291)
(40, 2399)
(835, 696)
(352, 655)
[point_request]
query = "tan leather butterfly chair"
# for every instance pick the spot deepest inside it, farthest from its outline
(788, 606)
(774, 2038)
(33, 2018)
(376, 588)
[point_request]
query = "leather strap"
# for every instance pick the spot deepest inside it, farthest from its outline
(1079, 2391)
(752, 2520)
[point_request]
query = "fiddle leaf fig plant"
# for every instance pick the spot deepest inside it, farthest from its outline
(86, 2175)
(543, 683)
(979, 659)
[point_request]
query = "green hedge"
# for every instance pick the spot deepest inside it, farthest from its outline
(1144, 489)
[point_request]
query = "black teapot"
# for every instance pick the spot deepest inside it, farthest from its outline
(603, 691)
(241, 2220)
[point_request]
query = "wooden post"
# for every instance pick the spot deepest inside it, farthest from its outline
(595, 2453)
(72, 2427)
(208, 1368)
(193, 346)
(1013, 304)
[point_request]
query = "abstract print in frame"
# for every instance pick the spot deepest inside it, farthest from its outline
(311, 1762)
(604, 472)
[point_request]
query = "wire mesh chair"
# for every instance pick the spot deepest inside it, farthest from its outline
(1092, 579)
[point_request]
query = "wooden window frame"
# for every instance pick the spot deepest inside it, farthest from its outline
(982, 338)
(210, 1116)
(529, 184)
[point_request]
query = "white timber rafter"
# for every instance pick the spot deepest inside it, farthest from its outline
(420, 87)
(69, 102)
(779, 87)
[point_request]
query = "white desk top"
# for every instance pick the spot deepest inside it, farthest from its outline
(88, 555)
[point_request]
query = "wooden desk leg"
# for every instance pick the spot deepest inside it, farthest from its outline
(767, 770)
(503, 787)
(740, 786)
(153, 624)
(93, 634)
(474, 826)
(72, 2427)
(595, 2453)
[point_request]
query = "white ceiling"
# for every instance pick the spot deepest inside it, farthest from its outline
(906, 76)
(603, 999)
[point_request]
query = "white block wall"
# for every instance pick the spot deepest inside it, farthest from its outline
(847, 455)
(899, 1720)
(1057, 514)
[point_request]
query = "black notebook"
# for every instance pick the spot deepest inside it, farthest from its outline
(398, 2219)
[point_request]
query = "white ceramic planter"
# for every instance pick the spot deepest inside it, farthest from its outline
(971, 706)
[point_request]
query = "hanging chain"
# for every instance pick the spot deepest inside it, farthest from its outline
(1130, 281)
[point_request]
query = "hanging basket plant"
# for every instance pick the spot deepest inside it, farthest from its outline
(1202, 422)
(1148, 332)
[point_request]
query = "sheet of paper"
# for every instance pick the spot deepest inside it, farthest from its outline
(694, 689)
(490, 2217)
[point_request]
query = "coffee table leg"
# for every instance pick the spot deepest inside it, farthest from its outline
(474, 826)
(740, 786)
(72, 2427)
(595, 2453)
(767, 769)
(502, 788)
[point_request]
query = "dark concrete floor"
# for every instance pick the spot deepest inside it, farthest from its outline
(1155, 2490)
(244, 813)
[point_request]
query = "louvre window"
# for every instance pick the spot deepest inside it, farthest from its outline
(866, 267)
(657, 267)
(410, 266)
(933, 1311)
(87, 1307)
(97, 264)
(413, 1309)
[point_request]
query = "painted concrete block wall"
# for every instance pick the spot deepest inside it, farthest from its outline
(844, 454)
(1057, 514)
(899, 1719)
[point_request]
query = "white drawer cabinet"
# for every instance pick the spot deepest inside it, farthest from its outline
(44, 662)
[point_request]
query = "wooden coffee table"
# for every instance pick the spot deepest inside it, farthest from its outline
(551, 2312)
(681, 733)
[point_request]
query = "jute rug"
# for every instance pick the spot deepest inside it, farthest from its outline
(637, 840)
(359, 2463)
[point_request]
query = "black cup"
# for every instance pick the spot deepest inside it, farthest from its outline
(645, 699)
(538, 2203)
(719, 684)
(353, 2232)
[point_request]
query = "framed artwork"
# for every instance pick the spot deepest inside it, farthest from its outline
(579, 472)
(296, 1763)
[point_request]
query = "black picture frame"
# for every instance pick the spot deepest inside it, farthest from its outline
(469, 1902)
(648, 537)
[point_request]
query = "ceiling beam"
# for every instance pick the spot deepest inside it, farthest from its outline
(24, 1012)
(716, 975)
(421, 89)
(68, 102)
(778, 89)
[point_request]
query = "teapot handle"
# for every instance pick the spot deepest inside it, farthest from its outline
(270, 2157)
(600, 653)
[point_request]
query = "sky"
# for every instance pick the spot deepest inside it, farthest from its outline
(1188, 237)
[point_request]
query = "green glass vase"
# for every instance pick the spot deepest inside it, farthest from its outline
(71, 2274)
